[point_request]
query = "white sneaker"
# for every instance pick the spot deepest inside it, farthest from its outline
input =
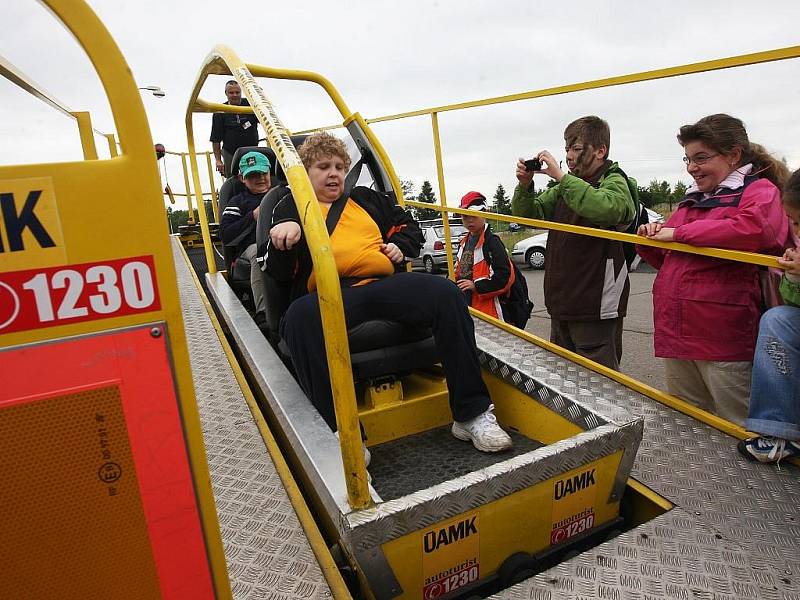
(484, 432)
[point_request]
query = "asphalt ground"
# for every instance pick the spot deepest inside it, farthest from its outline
(637, 338)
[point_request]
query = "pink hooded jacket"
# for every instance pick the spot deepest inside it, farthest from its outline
(707, 308)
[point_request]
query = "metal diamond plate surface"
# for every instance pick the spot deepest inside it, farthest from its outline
(735, 530)
(267, 553)
(388, 520)
(412, 463)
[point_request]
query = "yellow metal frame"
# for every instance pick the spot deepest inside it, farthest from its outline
(691, 68)
(223, 61)
(213, 193)
(82, 118)
(130, 184)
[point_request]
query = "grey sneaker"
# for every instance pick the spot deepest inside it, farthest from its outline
(484, 432)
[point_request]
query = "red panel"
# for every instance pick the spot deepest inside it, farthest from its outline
(138, 361)
(74, 293)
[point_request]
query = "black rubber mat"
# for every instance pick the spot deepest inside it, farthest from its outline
(420, 461)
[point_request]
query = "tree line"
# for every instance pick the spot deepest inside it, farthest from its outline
(655, 194)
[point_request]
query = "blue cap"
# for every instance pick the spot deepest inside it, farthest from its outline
(253, 162)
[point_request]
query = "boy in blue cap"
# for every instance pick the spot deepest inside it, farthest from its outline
(237, 225)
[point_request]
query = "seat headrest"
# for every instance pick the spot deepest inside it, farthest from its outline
(240, 152)
(297, 141)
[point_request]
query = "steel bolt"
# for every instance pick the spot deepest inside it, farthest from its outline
(155, 332)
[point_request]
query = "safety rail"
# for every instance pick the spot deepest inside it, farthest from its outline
(83, 119)
(213, 194)
(223, 61)
(734, 255)
(676, 71)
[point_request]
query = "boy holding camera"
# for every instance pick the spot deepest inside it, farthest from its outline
(586, 278)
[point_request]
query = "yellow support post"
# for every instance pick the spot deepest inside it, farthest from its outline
(437, 147)
(186, 186)
(223, 60)
(87, 135)
(112, 144)
(214, 198)
(208, 247)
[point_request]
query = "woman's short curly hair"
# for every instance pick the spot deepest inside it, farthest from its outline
(321, 145)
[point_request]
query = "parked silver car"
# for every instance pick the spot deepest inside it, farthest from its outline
(531, 251)
(433, 256)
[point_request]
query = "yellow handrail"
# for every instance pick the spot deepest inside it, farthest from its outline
(85, 129)
(737, 255)
(222, 60)
(741, 60)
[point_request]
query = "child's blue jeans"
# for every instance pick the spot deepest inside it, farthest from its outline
(775, 395)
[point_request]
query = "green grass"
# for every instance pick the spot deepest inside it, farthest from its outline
(509, 239)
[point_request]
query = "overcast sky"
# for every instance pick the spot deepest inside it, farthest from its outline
(387, 57)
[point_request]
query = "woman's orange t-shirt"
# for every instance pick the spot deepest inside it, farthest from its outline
(356, 244)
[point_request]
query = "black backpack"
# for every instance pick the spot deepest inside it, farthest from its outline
(517, 306)
(642, 218)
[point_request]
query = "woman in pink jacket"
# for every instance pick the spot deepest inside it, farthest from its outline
(706, 310)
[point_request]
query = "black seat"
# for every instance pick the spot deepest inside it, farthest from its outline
(239, 268)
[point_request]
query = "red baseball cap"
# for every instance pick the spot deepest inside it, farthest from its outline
(473, 201)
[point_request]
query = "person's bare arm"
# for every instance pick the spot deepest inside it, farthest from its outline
(216, 147)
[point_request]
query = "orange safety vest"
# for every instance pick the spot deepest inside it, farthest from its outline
(481, 269)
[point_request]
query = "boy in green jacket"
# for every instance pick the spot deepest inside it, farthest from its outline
(586, 278)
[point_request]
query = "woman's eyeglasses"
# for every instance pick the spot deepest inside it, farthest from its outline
(700, 159)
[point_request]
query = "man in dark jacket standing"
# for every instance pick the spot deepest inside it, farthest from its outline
(586, 278)
(229, 131)
(238, 223)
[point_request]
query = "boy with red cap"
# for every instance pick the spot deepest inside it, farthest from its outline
(483, 270)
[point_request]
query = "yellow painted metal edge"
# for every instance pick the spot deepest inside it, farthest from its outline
(21, 80)
(654, 497)
(309, 525)
(448, 238)
(86, 134)
(669, 400)
(138, 170)
(223, 59)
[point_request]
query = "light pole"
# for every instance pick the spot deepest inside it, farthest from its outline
(155, 90)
